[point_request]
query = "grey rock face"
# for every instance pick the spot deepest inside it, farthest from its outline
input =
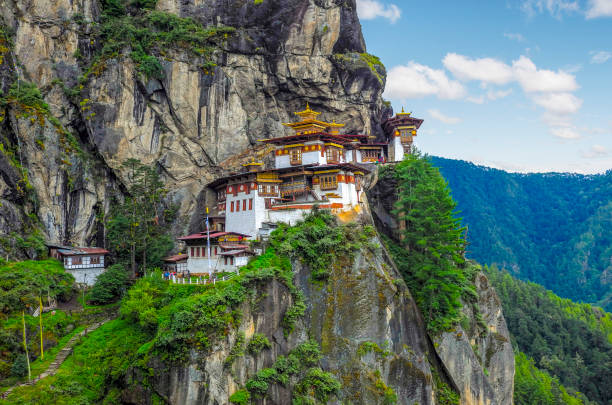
(190, 123)
(363, 302)
(479, 358)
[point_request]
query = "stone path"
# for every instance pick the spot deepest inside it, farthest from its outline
(59, 359)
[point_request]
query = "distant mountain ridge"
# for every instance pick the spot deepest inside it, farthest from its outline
(554, 229)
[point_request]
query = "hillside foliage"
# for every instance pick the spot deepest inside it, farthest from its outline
(571, 342)
(167, 321)
(430, 251)
(534, 386)
(22, 283)
(554, 229)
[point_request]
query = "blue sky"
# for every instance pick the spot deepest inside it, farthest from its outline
(523, 85)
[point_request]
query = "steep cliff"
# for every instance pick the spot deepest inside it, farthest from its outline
(188, 109)
(477, 351)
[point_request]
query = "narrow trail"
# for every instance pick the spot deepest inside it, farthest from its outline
(59, 359)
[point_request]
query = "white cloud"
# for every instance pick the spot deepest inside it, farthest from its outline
(596, 151)
(565, 132)
(556, 8)
(599, 8)
(558, 103)
(494, 95)
(533, 79)
(437, 115)
(476, 100)
(486, 70)
(514, 36)
(415, 81)
(371, 9)
(600, 57)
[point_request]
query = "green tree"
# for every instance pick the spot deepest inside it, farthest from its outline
(109, 285)
(138, 224)
(432, 240)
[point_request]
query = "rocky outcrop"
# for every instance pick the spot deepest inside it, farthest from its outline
(370, 331)
(477, 353)
(282, 55)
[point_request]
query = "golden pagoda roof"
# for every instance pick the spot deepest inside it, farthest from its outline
(307, 112)
(309, 122)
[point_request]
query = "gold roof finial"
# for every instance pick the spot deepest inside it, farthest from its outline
(404, 113)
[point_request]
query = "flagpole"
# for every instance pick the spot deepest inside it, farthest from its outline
(42, 350)
(208, 243)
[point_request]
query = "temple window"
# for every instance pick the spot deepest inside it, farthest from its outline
(406, 136)
(369, 155)
(332, 154)
(267, 189)
(329, 182)
(296, 156)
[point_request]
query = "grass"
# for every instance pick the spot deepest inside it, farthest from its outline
(98, 361)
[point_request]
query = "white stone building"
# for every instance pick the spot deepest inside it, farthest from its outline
(228, 250)
(84, 263)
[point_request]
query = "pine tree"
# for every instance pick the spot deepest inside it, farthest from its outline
(432, 239)
(138, 223)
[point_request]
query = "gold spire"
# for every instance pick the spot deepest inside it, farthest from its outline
(404, 113)
(307, 114)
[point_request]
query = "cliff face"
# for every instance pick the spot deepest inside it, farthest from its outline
(191, 123)
(370, 332)
(477, 353)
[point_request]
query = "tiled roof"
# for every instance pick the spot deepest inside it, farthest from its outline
(203, 235)
(176, 258)
(77, 251)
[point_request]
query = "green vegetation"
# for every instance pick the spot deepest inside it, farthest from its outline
(257, 343)
(168, 321)
(110, 285)
(94, 370)
(298, 370)
(137, 227)
(572, 342)
(355, 61)
(430, 253)
(27, 98)
(237, 350)
(375, 65)
(372, 347)
(445, 395)
(319, 242)
(553, 229)
(22, 283)
(149, 34)
(240, 397)
(533, 386)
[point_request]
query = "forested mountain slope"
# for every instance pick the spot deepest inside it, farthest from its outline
(570, 341)
(554, 229)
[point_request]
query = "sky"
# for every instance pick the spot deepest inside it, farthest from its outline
(521, 85)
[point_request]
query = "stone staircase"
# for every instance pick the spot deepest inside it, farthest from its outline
(59, 359)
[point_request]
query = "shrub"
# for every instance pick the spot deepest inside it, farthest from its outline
(259, 383)
(20, 366)
(322, 383)
(240, 397)
(257, 343)
(109, 285)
